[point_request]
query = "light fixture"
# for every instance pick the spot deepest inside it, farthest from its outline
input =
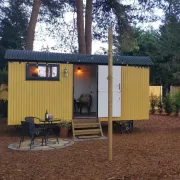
(79, 70)
(65, 72)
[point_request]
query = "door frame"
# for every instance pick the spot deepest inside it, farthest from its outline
(96, 67)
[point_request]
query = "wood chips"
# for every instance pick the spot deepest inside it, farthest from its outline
(151, 152)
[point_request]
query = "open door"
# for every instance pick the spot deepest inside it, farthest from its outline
(103, 91)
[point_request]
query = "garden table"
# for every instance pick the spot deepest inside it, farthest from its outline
(49, 125)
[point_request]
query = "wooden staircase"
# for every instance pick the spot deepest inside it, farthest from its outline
(86, 128)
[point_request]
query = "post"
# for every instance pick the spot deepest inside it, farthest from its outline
(110, 41)
(161, 93)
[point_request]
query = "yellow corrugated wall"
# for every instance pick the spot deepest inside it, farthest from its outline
(32, 98)
(135, 94)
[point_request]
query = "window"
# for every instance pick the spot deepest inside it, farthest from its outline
(42, 72)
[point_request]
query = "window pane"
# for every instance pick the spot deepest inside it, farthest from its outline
(54, 71)
(32, 71)
(42, 71)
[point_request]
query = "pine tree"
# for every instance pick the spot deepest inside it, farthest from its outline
(13, 28)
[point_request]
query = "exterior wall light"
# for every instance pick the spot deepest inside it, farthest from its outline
(65, 72)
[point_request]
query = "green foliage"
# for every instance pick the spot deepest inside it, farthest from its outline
(4, 76)
(177, 102)
(13, 28)
(160, 106)
(168, 104)
(3, 108)
(65, 124)
(153, 103)
(162, 46)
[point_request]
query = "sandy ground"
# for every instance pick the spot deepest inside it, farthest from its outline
(152, 151)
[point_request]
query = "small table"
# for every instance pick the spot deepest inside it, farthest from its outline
(49, 125)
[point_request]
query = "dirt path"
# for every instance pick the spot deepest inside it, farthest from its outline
(151, 152)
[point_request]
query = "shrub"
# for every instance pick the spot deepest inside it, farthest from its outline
(4, 76)
(153, 103)
(65, 124)
(3, 108)
(160, 106)
(168, 104)
(177, 102)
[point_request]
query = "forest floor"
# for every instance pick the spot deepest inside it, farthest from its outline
(151, 152)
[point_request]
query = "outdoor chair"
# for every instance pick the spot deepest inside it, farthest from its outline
(85, 100)
(29, 130)
(32, 120)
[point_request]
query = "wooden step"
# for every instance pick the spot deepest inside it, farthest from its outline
(87, 128)
(76, 121)
(89, 137)
(88, 131)
(86, 125)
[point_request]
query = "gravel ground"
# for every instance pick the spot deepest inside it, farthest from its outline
(151, 152)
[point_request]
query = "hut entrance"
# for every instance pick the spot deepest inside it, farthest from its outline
(85, 91)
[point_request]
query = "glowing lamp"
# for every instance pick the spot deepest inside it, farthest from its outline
(79, 69)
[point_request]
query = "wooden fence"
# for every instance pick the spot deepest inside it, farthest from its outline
(174, 89)
(156, 91)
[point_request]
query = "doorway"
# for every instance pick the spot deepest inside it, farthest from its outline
(85, 91)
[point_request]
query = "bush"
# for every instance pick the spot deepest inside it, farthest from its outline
(3, 108)
(4, 76)
(168, 104)
(177, 102)
(65, 124)
(153, 103)
(160, 106)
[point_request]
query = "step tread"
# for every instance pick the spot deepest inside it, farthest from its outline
(89, 137)
(85, 121)
(86, 127)
(86, 124)
(87, 131)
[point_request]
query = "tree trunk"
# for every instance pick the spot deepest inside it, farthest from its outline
(88, 26)
(32, 25)
(80, 27)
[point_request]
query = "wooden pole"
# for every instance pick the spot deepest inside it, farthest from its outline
(110, 41)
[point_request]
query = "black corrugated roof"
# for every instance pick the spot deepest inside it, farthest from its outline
(51, 57)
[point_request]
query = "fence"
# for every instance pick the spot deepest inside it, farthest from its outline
(174, 89)
(156, 91)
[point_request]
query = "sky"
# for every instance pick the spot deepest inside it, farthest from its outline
(44, 40)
